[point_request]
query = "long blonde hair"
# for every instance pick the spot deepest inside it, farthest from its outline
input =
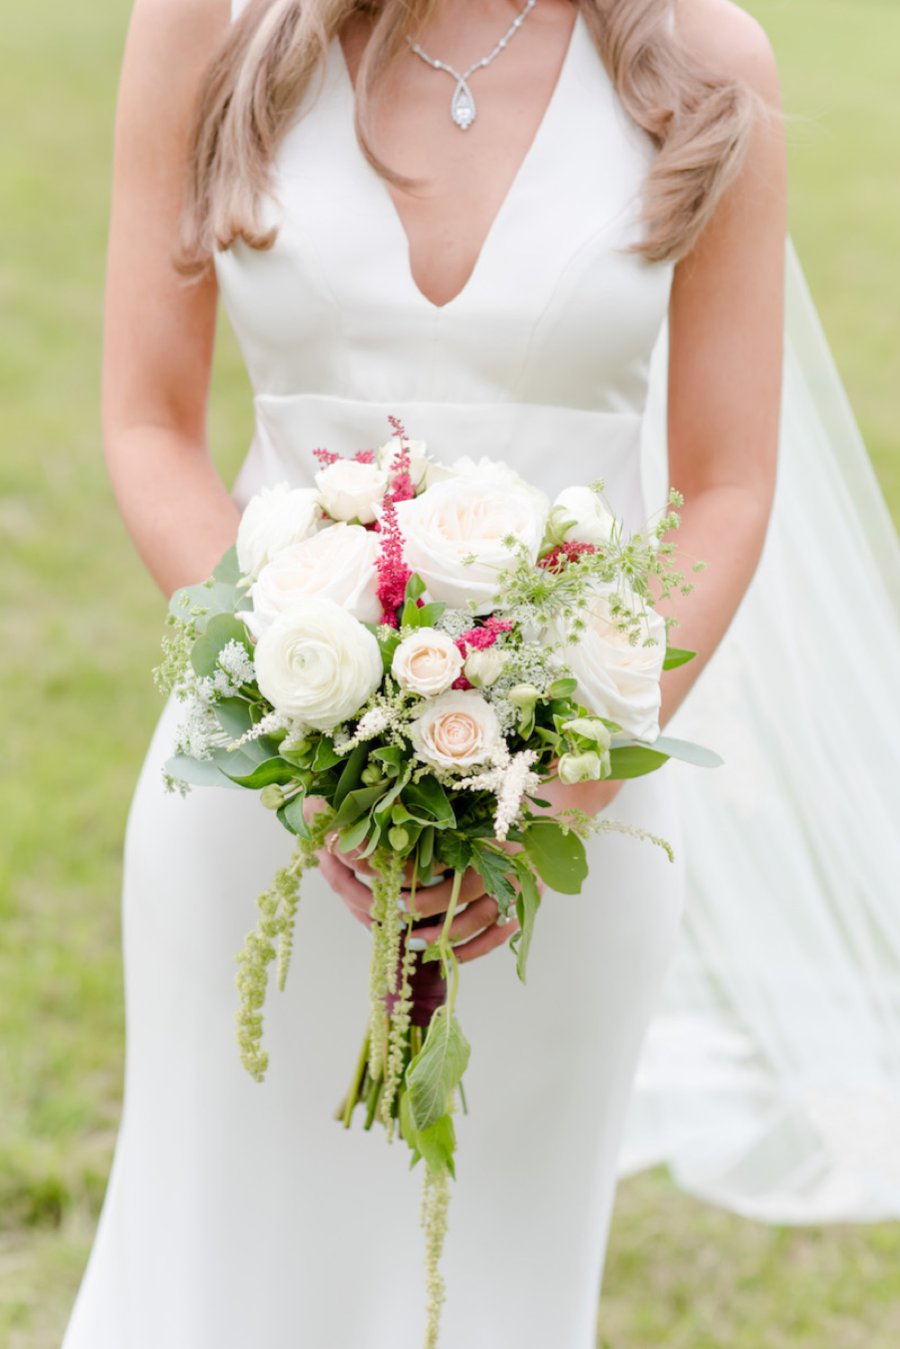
(698, 121)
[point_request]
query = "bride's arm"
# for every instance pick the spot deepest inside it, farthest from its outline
(158, 331)
(725, 355)
(725, 325)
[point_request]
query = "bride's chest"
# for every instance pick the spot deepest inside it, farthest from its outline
(554, 309)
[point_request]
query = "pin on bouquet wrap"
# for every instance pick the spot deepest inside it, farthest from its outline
(399, 659)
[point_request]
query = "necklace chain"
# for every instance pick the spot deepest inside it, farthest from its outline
(463, 109)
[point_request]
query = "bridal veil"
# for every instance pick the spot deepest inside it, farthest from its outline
(770, 1080)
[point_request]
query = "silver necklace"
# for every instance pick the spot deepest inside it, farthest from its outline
(463, 108)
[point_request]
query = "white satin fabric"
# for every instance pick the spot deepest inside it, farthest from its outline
(241, 1214)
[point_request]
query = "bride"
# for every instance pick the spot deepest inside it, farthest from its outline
(521, 228)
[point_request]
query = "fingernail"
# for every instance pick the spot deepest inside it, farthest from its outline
(402, 905)
(401, 925)
(416, 944)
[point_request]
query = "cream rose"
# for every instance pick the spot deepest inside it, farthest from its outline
(351, 491)
(457, 730)
(588, 519)
(337, 563)
(464, 518)
(483, 668)
(386, 458)
(317, 663)
(615, 679)
(273, 519)
(426, 662)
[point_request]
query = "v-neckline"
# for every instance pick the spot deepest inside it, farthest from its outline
(514, 187)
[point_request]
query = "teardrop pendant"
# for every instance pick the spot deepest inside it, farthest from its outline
(462, 106)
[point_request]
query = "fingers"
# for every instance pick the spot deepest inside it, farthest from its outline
(486, 941)
(356, 896)
(434, 899)
(466, 923)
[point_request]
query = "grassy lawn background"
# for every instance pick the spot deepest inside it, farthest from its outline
(80, 624)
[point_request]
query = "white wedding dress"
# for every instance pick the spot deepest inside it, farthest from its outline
(240, 1214)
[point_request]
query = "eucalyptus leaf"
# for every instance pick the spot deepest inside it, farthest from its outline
(688, 752)
(558, 856)
(234, 716)
(197, 772)
(435, 1072)
(220, 630)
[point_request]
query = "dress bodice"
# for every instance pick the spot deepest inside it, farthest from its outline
(543, 356)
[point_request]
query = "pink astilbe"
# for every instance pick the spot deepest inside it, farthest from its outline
(483, 637)
(364, 457)
(402, 487)
(326, 457)
(393, 573)
(559, 557)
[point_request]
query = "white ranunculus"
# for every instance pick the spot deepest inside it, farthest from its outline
(463, 518)
(273, 519)
(591, 522)
(426, 662)
(316, 663)
(457, 730)
(615, 679)
(386, 458)
(483, 668)
(337, 563)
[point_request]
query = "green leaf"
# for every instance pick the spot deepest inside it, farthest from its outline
(527, 904)
(675, 656)
(494, 867)
(350, 777)
(220, 630)
(197, 772)
(354, 834)
(437, 1144)
(633, 761)
(688, 752)
(228, 570)
(235, 716)
(562, 688)
(326, 756)
(415, 588)
(435, 1072)
(558, 857)
(354, 804)
(292, 817)
(428, 803)
(269, 771)
(454, 850)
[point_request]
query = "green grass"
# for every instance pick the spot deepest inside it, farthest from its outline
(80, 624)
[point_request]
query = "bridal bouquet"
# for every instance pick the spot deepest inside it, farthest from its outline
(399, 659)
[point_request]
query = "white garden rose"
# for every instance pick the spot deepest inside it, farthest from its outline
(386, 458)
(273, 519)
(457, 730)
(426, 662)
(317, 664)
(337, 563)
(466, 518)
(615, 679)
(350, 490)
(591, 522)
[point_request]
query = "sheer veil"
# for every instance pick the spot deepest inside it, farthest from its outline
(770, 1079)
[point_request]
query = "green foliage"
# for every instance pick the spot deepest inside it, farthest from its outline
(436, 1072)
(557, 855)
(219, 631)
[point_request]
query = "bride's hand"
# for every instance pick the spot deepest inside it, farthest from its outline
(474, 930)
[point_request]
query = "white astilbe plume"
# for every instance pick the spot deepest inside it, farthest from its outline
(271, 722)
(510, 778)
(371, 723)
(237, 665)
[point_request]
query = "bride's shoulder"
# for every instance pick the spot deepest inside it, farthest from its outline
(729, 41)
